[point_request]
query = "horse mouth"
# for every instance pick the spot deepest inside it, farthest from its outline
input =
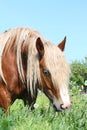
(60, 108)
(56, 109)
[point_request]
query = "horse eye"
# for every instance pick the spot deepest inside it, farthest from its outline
(46, 72)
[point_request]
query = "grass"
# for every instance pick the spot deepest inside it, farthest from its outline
(44, 118)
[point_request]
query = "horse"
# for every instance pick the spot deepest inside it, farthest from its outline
(29, 62)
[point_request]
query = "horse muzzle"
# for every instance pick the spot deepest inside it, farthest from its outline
(61, 107)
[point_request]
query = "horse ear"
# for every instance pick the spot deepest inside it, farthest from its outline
(61, 45)
(40, 47)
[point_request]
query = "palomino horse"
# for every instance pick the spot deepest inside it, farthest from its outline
(28, 62)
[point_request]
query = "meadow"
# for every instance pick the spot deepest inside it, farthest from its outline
(44, 117)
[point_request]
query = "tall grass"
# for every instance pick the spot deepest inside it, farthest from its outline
(44, 118)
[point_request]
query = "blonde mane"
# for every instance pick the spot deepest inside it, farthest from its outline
(26, 37)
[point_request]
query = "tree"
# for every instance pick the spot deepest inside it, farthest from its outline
(79, 71)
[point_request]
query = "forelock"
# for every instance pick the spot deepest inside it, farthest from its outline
(56, 64)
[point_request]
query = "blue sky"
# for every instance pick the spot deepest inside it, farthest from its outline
(54, 19)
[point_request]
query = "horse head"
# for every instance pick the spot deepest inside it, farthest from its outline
(54, 71)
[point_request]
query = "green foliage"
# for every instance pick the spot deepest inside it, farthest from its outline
(44, 118)
(79, 71)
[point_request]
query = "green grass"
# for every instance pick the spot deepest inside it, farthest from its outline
(44, 118)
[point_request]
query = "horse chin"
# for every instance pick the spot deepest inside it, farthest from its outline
(57, 109)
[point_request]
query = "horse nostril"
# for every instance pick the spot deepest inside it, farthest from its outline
(65, 106)
(61, 106)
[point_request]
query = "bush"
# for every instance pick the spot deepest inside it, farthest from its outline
(43, 118)
(78, 72)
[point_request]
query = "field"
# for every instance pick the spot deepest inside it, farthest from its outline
(44, 118)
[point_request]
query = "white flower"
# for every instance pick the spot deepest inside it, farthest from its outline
(36, 105)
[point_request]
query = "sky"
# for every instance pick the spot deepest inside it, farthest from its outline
(54, 19)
